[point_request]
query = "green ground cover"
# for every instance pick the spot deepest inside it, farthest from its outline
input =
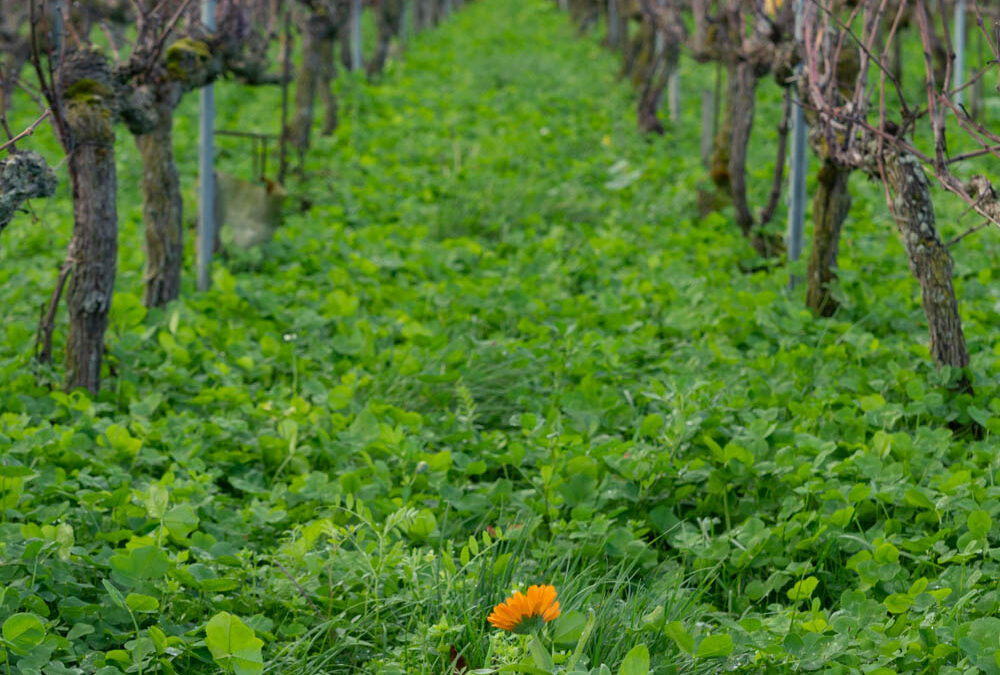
(500, 349)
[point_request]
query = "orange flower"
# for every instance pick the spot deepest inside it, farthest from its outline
(526, 612)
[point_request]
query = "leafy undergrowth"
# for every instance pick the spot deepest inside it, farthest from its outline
(499, 349)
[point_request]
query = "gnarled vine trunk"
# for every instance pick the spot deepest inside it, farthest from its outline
(188, 64)
(389, 21)
(738, 122)
(162, 207)
(319, 29)
(930, 261)
(324, 87)
(658, 61)
(831, 204)
(88, 94)
(741, 104)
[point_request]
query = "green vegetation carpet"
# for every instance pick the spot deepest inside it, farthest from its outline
(499, 348)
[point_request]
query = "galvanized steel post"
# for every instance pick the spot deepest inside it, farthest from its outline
(958, 40)
(356, 59)
(206, 172)
(797, 184)
(614, 24)
(674, 95)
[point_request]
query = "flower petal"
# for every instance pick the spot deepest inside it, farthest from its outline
(521, 608)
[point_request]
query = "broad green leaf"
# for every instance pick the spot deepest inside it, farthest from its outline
(114, 593)
(654, 619)
(915, 497)
(181, 520)
(501, 563)
(979, 523)
(15, 471)
(886, 552)
(540, 655)
(127, 311)
(363, 431)
(756, 589)
(159, 639)
(872, 402)
(939, 594)
(715, 646)
(815, 626)
(897, 603)
(234, 645)
(79, 630)
(145, 562)
(859, 492)
(23, 632)
(568, 628)
(141, 603)
(676, 632)
(651, 424)
(978, 640)
(121, 440)
(802, 590)
(739, 453)
(423, 525)
(157, 498)
(636, 661)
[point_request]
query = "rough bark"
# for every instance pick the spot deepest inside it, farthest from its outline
(162, 207)
(187, 65)
(306, 82)
(741, 103)
(584, 13)
(718, 165)
(831, 204)
(87, 94)
(747, 56)
(655, 78)
(389, 21)
(930, 261)
(635, 44)
(319, 28)
(420, 16)
(15, 46)
(344, 37)
(325, 88)
(23, 175)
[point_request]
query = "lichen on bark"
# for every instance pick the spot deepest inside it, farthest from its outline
(23, 175)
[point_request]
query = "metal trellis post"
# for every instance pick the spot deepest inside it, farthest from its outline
(206, 173)
(614, 27)
(674, 95)
(407, 28)
(797, 186)
(707, 106)
(356, 61)
(286, 77)
(958, 39)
